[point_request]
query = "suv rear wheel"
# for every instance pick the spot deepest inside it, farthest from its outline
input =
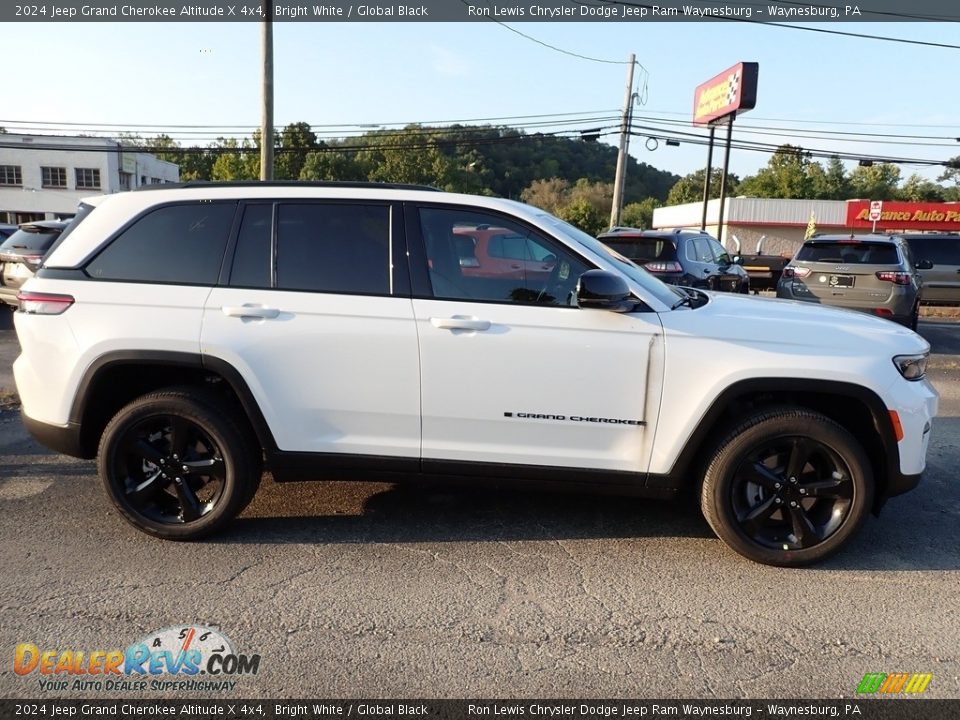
(176, 466)
(787, 487)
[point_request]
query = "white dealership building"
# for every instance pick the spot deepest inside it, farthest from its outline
(43, 177)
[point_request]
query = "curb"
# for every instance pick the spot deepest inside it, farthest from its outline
(936, 311)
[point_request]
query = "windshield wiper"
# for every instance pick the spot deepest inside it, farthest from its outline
(685, 300)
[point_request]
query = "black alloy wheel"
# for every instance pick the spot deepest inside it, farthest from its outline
(787, 486)
(177, 464)
(170, 469)
(791, 493)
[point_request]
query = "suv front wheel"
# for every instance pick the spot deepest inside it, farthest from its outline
(176, 466)
(787, 486)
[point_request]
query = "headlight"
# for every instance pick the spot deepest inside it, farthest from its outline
(912, 367)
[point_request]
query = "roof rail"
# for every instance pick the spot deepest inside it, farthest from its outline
(285, 183)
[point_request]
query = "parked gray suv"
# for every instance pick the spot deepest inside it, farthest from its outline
(870, 273)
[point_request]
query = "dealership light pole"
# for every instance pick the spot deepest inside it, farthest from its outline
(624, 145)
(266, 116)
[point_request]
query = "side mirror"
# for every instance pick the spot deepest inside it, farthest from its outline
(738, 259)
(924, 265)
(603, 290)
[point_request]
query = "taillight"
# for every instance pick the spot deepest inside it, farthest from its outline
(34, 303)
(883, 312)
(897, 278)
(664, 267)
(797, 272)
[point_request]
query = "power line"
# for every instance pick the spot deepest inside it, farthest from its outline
(365, 125)
(840, 135)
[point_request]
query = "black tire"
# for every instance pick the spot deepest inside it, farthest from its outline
(751, 503)
(176, 465)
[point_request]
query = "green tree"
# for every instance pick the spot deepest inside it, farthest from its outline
(952, 173)
(331, 165)
(294, 144)
(829, 183)
(787, 175)
(235, 160)
(639, 214)
(875, 182)
(549, 195)
(919, 189)
(585, 216)
(689, 188)
(414, 157)
(195, 163)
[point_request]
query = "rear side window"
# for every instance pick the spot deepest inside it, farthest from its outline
(862, 253)
(938, 250)
(180, 244)
(333, 248)
(643, 250)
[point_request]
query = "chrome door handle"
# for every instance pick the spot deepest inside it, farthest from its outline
(460, 323)
(250, 311)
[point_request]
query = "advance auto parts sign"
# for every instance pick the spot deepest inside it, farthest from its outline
(905, 215)
(730, 93)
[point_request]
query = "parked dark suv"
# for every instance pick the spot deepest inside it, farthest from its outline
(22, 253)
(941, 282)
(680, 257)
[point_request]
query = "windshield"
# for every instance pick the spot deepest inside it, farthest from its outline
(663, 292)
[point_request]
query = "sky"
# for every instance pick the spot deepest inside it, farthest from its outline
(370, 74)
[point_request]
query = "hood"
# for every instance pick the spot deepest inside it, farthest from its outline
(761, 321)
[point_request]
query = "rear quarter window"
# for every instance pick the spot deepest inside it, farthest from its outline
(850, 253)
(180, 244)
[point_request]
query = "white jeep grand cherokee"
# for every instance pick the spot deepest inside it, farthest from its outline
(191, 337)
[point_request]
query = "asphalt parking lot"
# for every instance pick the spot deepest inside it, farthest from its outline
(348, 589)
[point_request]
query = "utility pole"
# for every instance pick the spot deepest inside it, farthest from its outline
(624, 145)
(266, 116)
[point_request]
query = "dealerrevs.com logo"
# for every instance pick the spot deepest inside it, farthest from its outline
(190, 658)
(894, 683)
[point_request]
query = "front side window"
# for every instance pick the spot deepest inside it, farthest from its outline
(326, 247)
(718, 251)
(180, 244)
(88, 178)
(507, 263)
(53, 177)
(10, 175)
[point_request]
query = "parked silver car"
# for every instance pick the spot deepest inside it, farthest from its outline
(870, 273)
